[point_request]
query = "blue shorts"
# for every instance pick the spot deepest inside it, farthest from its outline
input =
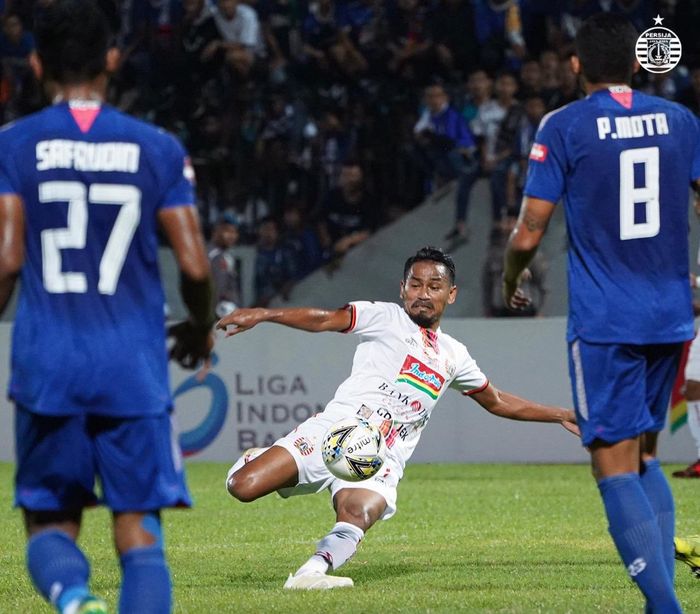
(621, 391)
(136, 459)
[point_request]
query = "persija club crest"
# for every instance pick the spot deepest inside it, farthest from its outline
(658, 49)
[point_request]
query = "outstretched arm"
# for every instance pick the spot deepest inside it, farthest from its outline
(310, 319)
(535, 214)
(508, 405)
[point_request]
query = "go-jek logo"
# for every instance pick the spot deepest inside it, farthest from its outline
(198, 438)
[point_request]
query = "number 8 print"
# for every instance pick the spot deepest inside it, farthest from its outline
(647, 193)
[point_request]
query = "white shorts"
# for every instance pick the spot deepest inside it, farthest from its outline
(304, 444)
(692, 365)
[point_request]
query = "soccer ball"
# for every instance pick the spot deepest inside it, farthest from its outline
(353, 449)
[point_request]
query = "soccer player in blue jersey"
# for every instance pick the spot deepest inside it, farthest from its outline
(622, 161)
(83, 189)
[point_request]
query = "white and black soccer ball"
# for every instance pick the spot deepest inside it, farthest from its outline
(353, 449)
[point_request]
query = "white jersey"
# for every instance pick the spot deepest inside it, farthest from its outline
(399, 373)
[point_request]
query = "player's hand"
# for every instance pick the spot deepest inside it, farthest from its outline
(572, 427)
(240, 320)
(569, 423)
(513, 296)
(191, 344)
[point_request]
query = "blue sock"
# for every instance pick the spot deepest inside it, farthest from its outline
(634, 530)
(658, 493)
(57, 567)
(145, 582)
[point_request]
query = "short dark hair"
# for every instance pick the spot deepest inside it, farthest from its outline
(432, 254)
(72, 38)
(605, 46)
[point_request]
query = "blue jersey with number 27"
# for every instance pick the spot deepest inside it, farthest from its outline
(89, 333)
(623, 162)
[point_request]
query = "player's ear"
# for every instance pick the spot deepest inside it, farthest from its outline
(401, 291)
(635, 67)
(113, 59)
(452, 296)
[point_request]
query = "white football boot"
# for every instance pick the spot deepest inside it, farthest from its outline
(316, 581)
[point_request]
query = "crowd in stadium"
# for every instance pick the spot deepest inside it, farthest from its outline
(312, 123)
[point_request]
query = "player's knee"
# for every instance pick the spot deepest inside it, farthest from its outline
(137, 530)
(243, 486)
(357, 513)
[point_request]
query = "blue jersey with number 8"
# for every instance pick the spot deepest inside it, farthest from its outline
(89, 333)
(623, 162)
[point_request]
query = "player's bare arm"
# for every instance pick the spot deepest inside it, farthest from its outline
(310, 319)
(507, 405)
(11, 245)
(193, 339)
(535, 214)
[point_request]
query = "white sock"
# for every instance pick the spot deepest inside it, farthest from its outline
(334, 549)
(694, 422)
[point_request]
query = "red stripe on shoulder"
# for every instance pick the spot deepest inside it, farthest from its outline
(480, 389)
(353, 317)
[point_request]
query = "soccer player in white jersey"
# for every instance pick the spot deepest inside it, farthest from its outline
(403, 365)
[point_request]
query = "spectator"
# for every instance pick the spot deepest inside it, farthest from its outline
(327, 45)
(452, 32)
(479, 92)
(280, 28)
(19, 68)
(199, 40)
(492, 277)
(489, 118)
(568, 86)
(499, 31)
(409, 41)
(225, 268)
(274, 269)
(497, 144)
(241, 40)
(301, 241)
(534, 110)
(531, 78)
(347, 210)
(549, 67)
(445, 148)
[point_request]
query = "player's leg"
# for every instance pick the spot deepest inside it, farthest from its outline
(692, 396)
(662, 368)
(259, 475)
(54, 481)
(632, 522)
(146, 586)
(292, 465)
(609, 385)
(140, 466)
(358, 506)
(357, 509)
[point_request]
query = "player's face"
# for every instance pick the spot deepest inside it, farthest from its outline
(426, 292)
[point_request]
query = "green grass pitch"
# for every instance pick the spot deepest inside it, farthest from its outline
(472, 538)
